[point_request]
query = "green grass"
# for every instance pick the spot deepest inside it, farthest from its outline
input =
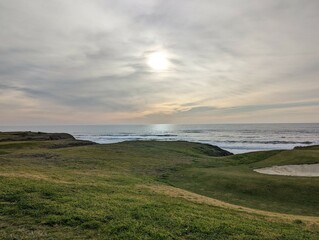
(99, 192)
(237, 183)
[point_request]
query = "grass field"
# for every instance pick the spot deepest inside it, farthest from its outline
(68, 189)
(237, 183)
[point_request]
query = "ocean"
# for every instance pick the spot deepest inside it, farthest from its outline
(236, 138)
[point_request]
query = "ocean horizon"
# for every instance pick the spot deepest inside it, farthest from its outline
(236, 138)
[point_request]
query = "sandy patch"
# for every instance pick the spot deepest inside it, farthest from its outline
(304, 170)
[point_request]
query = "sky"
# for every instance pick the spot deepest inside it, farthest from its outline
(226, 61)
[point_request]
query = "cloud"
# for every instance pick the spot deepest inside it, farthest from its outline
(201, 112)
(89, 57)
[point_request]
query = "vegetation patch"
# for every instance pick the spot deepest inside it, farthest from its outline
(151, 190)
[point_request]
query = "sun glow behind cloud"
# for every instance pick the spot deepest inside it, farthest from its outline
(158, 61)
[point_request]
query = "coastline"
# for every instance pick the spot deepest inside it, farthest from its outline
(236, 138)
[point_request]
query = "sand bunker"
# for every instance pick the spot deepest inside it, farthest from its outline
(304, 170)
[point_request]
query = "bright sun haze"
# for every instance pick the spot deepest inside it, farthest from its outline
(158, 61)
(158, 119)
(136, 62)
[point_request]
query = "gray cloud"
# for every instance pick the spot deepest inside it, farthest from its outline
(229, 60)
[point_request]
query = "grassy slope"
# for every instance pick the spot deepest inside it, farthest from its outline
(101, 191)
(237, 183)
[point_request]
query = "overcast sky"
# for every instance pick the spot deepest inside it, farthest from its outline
(85, 62)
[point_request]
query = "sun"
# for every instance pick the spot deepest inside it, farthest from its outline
(158, 61)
